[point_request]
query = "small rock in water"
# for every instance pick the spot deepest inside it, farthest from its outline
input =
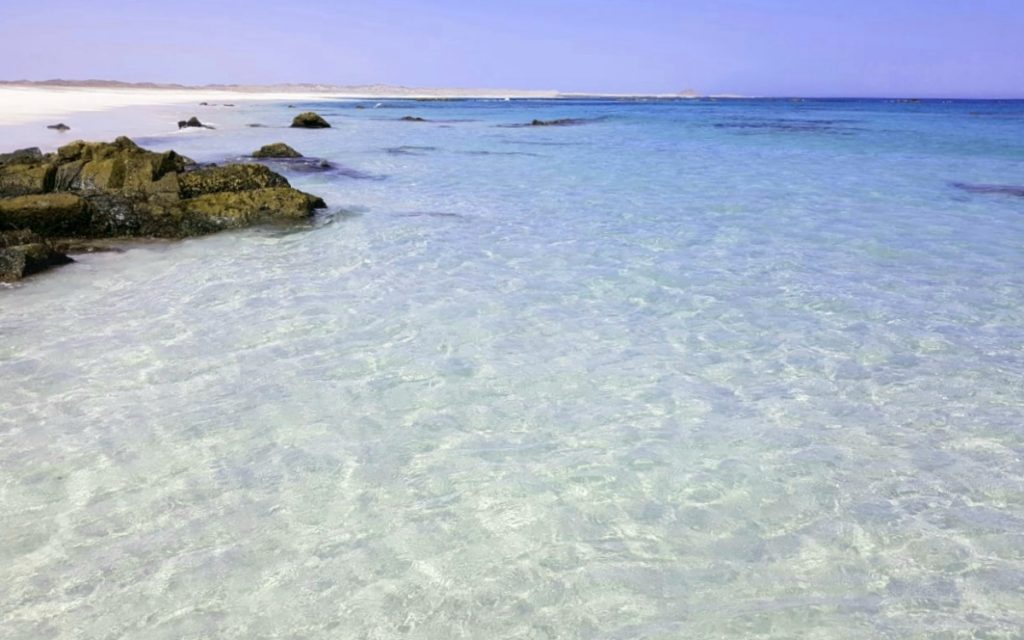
(60, 126)
(192, 122)
(412, 119)
(310, 120)
(276, 150)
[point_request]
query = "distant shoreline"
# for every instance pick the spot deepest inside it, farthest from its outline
(353, 91)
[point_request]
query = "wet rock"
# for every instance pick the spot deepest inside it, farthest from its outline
(310, 120)
(412, 119)
(234, 210)
(192, 122)
(60, 126)
(276, 150)
(23, 253)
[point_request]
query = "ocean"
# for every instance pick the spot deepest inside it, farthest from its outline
(679, 369)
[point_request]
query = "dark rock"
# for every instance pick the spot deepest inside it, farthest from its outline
(412, 119)
(22, 156)
(23, 253)
(256, 125)
(276, 150)
(192, 122)
(60, 126)
(310, 120)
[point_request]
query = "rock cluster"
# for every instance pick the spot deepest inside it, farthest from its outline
(118, 189)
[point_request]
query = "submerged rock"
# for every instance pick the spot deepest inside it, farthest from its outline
(989, 189)
(60, 126)
(118, 189)
(412, 119)
(310, 120)
(276, 150)
(23, 253)
(561, 122)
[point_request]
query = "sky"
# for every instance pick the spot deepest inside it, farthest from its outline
(855, 48)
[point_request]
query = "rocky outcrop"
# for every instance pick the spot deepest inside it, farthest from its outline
(310, 120)
(60, 126)
(118, 189)
(276, 150)
(23, 253)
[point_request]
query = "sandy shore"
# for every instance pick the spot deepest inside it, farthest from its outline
(26, 103)
(29, 104)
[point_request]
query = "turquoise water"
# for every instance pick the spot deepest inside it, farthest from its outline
(738, 369)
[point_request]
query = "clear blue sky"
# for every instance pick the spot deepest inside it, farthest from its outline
(922, 48)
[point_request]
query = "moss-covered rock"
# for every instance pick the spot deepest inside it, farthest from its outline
(233, 177)
(276, 150)
(18, 179)
(23, 253)
(234, 210)
(50, 214)
(310, 120)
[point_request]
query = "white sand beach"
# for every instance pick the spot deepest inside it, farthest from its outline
(37, 102)
(20, 104)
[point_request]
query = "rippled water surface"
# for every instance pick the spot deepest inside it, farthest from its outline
(682, 370)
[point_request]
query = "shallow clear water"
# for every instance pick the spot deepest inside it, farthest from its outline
(695, 369)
